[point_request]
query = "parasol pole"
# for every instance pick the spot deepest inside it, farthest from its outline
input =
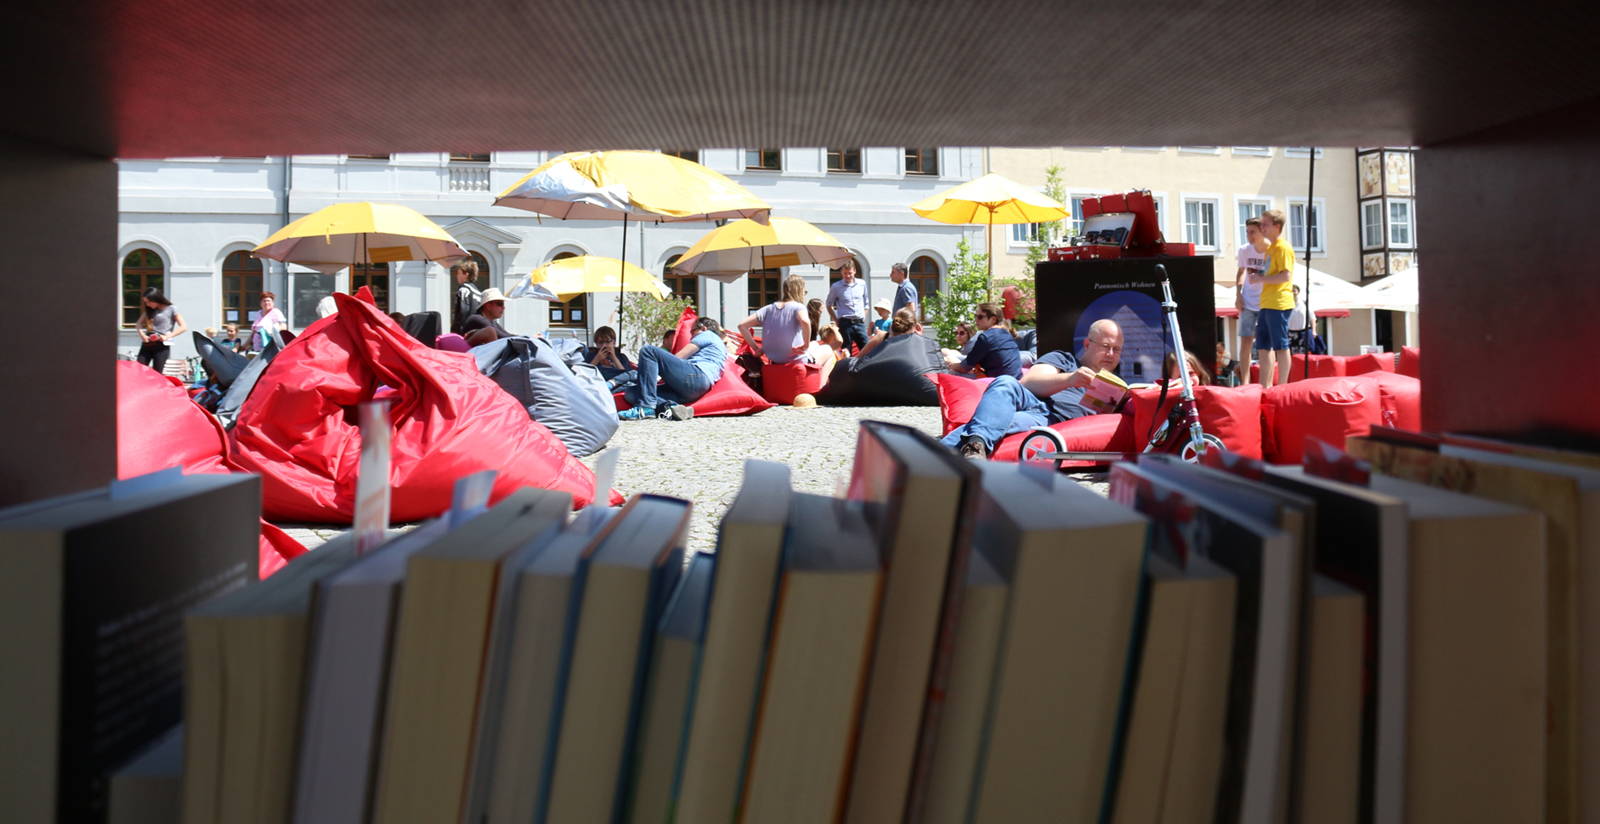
(622, 290)
(988, 282)
(1311, 321)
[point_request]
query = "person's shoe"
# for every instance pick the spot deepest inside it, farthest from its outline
(638, 413)
(972, 447)
(674, 412)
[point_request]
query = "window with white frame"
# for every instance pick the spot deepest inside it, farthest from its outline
(1201, 149)
(1200, 223)
(1297, 225)
(1248, 208)
(1074, 224)
(1372, 224)
(1144, 148)
(1253, 151)
(1300, 151)
(1400, 223)
(1161, 213)
(1023, 234)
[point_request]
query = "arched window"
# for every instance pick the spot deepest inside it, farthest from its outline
(924, 274)
(573, 313)
(684, 287)
(483, 280)
(374, 276)
(141, 269)
(241, 288)
(764, 285)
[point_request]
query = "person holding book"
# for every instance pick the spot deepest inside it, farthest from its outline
(1277, 301)
(994, 349)
(158, 323)
(1048, 393)
(685, 375)
(785, 327)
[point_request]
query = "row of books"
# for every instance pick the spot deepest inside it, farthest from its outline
(952, 642)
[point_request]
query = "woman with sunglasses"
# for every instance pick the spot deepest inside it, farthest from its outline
(994, 349)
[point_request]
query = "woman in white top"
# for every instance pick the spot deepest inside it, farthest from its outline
(785, 328)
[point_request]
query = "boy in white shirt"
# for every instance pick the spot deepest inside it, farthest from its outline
(1247, 295)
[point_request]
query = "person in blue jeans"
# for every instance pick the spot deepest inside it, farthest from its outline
(1048, 393)
(685, 376)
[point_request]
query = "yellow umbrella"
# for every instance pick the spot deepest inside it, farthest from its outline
(648, 185)
(727, 252)
(573, 276)
(641, 185)
(989, 200)
(347, 233)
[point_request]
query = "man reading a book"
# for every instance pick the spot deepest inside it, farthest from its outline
(1048, 393)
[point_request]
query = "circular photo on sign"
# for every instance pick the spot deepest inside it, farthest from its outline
(1139, 315)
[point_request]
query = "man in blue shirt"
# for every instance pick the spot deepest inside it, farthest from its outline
(847, 305)
(685, 377)
(905, 292)
(1047, 394)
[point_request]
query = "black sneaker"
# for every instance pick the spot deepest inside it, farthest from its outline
(972, 447)
(674, 412)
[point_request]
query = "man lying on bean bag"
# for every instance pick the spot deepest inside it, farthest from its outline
(1048, 393)
(685, 375)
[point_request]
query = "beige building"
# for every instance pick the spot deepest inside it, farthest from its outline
(1203, 195)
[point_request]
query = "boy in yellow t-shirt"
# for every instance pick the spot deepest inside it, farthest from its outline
(1272, 322)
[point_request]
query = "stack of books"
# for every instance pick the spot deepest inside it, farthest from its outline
(950, 642)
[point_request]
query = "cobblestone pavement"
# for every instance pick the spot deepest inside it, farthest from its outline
(703, 459)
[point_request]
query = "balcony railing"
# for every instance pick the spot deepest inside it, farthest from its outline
(466, 178)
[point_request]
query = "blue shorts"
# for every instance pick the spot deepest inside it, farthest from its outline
(1247, 323)
(1272, 329)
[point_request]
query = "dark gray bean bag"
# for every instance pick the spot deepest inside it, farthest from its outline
(893, 374)
(571, 403)
(424, 326)
(219, 362)
(239, 390)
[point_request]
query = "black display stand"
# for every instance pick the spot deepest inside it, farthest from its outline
(1127, 290)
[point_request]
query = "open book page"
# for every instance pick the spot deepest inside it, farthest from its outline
(1104, 393)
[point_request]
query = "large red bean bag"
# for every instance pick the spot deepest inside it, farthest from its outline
(1328, 408)
(958, 397)
(1233, 414)
(1322, 366)
(781, 382)
(159, 427)
(1410, 362)
(1368, 364)
(1401, 396)
(1091, 433)
(299, 428)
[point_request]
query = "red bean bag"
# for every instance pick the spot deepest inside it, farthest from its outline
(1368, 364)
(1092, 433)
(1329, 408)
(1322, 366)
(958, 397)
(685, 331)
(1401, 397)
(1410, 361)
(159, 427)
(1233, 414)
(298, 428)
(781, 382)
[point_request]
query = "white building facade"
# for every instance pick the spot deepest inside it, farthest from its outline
(188, 225)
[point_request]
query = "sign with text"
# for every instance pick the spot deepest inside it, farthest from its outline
(1073, 294)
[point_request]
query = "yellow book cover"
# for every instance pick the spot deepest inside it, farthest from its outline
(1104, 394)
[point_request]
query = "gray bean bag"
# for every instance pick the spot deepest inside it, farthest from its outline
(893, 374)
(221, 363)
(572, 403)
(228, 407)
(570, 349)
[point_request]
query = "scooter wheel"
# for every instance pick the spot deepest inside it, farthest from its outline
(1040, 440)
(1212, 442)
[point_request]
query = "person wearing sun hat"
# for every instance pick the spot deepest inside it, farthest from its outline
(885, 315)
(483, 326)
